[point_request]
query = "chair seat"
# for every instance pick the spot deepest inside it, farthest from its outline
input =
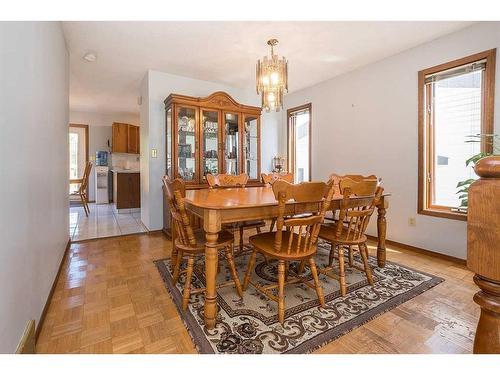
(264, 243)
(328, 233)
(225, 238)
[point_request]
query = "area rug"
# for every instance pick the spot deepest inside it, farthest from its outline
(250, 325)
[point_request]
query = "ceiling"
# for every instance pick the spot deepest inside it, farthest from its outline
(224, 52)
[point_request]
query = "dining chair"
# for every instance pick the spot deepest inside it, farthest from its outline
(371, 188)
(349, 229)
(191, 243)
(82, 188)
(222, 181)
(273, 176)
(296, 243)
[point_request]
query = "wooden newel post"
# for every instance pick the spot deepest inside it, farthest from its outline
(483, 251)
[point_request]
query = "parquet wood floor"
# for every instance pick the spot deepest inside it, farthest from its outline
(110, 299)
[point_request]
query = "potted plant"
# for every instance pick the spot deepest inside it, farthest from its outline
(463, 186)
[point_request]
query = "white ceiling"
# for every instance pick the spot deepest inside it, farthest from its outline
(224, 52)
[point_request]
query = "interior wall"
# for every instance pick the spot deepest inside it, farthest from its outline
(365, 122)
(34, 100)
(99, 134)
(155, 88)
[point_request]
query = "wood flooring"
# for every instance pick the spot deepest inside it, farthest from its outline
(110, 299)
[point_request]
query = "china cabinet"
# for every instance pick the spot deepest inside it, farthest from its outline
(214, 135)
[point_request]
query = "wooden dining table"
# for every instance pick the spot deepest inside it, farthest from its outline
(216, 207)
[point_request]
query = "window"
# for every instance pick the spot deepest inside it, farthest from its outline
(455, 102)
(73, 155)
(299, 142)
(78, 153)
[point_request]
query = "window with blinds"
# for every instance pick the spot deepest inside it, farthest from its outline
(454, 105)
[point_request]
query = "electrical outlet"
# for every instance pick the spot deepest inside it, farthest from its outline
(154, 153)
(412, 222)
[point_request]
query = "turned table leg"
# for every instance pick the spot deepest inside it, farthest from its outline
(212, 227)
(381, 232)
(487, 340)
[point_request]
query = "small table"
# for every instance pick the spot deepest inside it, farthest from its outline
(220, 206)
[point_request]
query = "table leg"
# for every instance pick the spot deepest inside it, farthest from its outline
(212, 227)
(381, 233)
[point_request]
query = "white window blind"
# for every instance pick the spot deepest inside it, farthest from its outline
(455, 113)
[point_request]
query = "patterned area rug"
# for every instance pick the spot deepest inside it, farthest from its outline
(251, 325)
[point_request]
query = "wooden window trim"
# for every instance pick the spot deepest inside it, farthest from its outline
(290, 140)
(424, 142)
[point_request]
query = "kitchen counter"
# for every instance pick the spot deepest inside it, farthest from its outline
(115, 170)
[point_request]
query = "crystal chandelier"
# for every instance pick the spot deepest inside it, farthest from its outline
(272, 79)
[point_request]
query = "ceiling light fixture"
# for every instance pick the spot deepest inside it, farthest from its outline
(272, 79)
(90, 57)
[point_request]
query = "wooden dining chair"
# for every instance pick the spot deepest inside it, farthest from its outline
(82, 188)
(273, 176)
(222, 181)
(296, 243)
(349, 230)
(191, 243)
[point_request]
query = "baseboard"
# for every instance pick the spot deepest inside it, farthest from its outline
(420, 250)
(27, 343)
(51, 293)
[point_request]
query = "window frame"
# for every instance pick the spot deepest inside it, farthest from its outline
(425, 139)
(291, 140)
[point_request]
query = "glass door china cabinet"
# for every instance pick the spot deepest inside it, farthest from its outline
(214, 135)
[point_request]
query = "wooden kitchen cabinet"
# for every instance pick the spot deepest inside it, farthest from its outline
(133, 139)
(125, 138)
(126, 190)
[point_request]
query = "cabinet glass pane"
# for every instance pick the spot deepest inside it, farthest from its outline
(250, 146)
(186, 121)
(232, 147)
(210, 141)
(169, 142)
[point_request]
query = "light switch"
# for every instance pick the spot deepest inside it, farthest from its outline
(154, 153)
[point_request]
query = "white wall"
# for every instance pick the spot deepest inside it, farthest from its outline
(33, 171)
(156, 87)
(99, 133)
(365, 122)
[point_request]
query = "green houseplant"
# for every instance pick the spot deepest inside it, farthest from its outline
(489, 139)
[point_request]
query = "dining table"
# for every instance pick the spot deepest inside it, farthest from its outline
(216, 207)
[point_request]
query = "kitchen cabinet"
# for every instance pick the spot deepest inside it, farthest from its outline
(126, 138)
(126, 189)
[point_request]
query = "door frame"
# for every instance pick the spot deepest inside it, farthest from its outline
(290, 143)
(86, 127)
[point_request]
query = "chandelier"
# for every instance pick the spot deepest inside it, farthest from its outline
(272, 79)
